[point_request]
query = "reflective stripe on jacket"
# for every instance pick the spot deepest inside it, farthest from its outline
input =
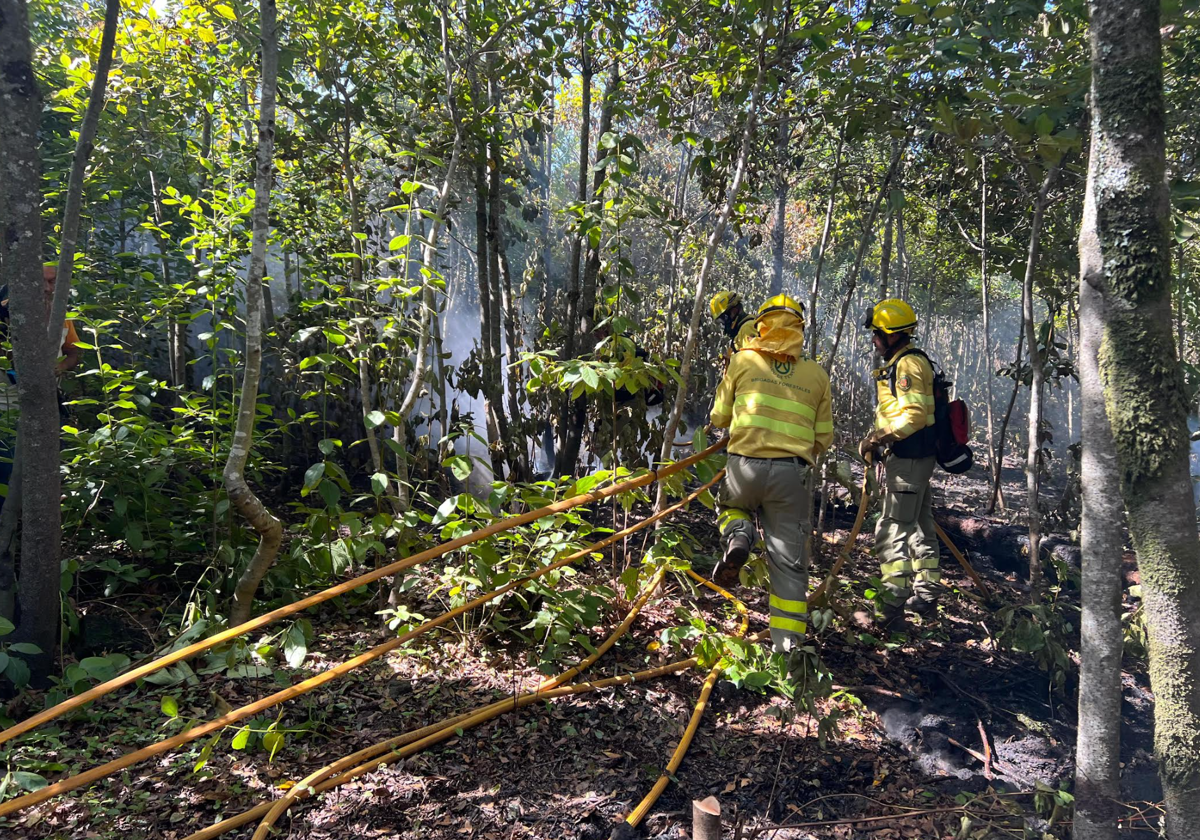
(774, 408)
(911, 408)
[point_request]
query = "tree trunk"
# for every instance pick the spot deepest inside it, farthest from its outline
(83, 152)
(868, 225)
(714, 240)
(997, 495)
(269, 529)
(816, 283)
(364, 340)
(988, 362)
(779, 223)
(1038, 381)
(429, 253)
(591, 271)
(515, 443)
(491, 394)
(1098, 749)
(547, 174)
(1143, 386)
(671, 269)
(35, 337)
(564, 460)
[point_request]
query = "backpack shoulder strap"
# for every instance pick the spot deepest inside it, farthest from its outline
(909, 351)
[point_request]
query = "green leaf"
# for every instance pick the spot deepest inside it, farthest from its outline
(27, 648)
(241, 738)
(460, 466)
(170, 706)
(330, 494)
(399, 242)
(907, 9)
(444, 510)
(29, 781)
(295, 647)
(6, 626)
(206, 753)
(221, 10)
(3, 661)
(374, 419)
(273, 741)
(311, 476)
(379, 483)
(17, 672)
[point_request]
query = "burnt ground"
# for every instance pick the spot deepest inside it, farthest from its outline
(914, 709)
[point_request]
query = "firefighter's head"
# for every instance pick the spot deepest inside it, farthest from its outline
(892, 323)
(726, 308)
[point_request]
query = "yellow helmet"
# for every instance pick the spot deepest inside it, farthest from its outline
(722, 302)
(891, 316)
(782, 303)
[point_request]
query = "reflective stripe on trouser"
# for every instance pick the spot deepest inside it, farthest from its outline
(777, 488)
(905, 538)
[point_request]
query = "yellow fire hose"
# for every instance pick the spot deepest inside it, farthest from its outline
(639, 813)
(294, 794)
(421, 739)
(497, 527)
(96, 773)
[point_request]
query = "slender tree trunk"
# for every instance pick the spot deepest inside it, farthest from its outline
(487, 361)
(515, 443)
(779, 223)
(988, 361)
(547, 175)
(823, 247)
(1001, 438)
(671, 269)
(565, 455)
(1032, 457)
(83, 152)
(1143, 385)
(868, 226)
(1098, 749)
(269, 528)
(714, 240)
(585, 342)
(364, 340)
(430, 250)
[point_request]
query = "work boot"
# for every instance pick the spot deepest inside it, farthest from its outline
(737, 551)
(921, 606)
(891, 619)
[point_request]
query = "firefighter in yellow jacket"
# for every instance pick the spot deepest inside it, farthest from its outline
(726, 307)
(776, 405)
(903, 433)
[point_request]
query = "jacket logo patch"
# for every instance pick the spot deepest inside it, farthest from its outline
(782, 368)
(903, 383)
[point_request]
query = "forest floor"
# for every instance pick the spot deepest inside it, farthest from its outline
(914, 708)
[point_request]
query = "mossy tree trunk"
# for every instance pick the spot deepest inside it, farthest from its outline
(1143, 384)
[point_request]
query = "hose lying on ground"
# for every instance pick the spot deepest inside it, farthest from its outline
(281, 806)
(639, 813)
(342, 588)
(73, 782)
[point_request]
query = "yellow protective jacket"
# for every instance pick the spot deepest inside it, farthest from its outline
(775, 402)
(746, 331)
(910, 409)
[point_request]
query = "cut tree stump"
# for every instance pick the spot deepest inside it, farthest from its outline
(706, 819)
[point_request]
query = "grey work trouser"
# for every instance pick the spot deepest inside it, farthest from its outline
(905, 538)
(776, 489)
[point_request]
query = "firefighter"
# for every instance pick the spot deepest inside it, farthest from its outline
(776, 405)
(726, 307)
(903, 435)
